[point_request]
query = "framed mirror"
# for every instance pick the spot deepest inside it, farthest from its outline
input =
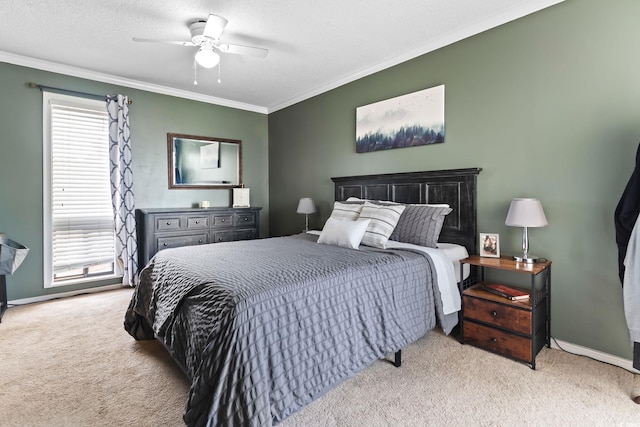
(203, 162)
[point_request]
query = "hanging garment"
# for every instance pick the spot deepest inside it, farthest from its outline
(631, 291)
(626, 214)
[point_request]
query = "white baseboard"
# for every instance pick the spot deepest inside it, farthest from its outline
(594, 354)
(43, 298)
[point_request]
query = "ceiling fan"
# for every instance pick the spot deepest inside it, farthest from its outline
(206, 36)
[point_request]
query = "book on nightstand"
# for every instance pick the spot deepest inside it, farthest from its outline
(506, 291)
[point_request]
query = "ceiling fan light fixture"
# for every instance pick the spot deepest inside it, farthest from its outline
(207, 58)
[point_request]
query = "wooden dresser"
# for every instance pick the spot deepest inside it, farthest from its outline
(159, 229)
(516, 329)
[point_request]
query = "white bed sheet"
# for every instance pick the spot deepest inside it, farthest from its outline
(455, 254)
(445, 258)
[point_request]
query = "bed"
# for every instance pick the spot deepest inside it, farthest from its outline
(264, 327)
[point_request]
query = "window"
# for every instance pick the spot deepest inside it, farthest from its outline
(79, 237)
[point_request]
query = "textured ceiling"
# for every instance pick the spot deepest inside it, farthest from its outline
(314, 46)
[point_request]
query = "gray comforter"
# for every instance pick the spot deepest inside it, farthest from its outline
(264, 327)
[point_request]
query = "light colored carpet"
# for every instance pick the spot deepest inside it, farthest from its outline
(69, 362)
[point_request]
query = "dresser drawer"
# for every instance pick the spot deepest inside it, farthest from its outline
(497, 341)
(248, 234)
(196, 222)
(495, 314)
(222, 221)
(166, 242)
(167, 223)
(244, 220)
(223, 236)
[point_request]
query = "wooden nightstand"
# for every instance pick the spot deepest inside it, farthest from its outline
(515, 329)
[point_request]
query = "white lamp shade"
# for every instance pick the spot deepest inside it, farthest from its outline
(526, 213)
(306, 206)
(207, 58)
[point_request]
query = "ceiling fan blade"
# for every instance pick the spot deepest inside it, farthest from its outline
(137, 39)
(243, 50)
(215, 26)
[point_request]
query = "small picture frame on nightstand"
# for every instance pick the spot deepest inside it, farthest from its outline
(490, 245)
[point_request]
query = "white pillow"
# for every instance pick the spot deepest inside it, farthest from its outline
(346, 233)
(346, 211)
(383, 221)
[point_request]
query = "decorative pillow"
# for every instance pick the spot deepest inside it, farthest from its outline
(383, 220)
(346, 233)
(346, 211)
(420, 225)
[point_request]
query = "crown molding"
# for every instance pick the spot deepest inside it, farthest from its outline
(67, 70)
(523, 8)
(519, 11)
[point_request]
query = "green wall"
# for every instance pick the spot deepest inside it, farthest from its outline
(152, 116)
(548, 106)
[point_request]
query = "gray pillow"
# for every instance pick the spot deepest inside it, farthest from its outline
(420, 225)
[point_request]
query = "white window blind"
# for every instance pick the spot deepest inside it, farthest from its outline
(82, 225)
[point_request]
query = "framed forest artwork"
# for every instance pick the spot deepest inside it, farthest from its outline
(404, 121)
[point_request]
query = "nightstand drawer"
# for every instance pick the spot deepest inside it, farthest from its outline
(495, 314)
(497, 341)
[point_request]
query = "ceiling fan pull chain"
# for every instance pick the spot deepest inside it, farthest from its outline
(219, 67)
(195, 72)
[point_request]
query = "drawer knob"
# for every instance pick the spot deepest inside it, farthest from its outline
(164, 244)
(494, 313)
(197, 222)
(168, 222)
(223, 220)
(199, 240)
(494, 340)
(246, 219)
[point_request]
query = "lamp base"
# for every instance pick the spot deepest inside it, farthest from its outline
(527, 258)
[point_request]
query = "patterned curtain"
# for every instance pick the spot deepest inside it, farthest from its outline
(122, 187)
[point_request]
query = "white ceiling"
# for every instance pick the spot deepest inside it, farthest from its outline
(314, 45)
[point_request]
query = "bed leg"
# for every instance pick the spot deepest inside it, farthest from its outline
(397, 359)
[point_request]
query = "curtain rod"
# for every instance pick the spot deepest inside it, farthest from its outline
(75, 92)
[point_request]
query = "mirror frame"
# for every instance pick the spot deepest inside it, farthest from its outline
(171, 167)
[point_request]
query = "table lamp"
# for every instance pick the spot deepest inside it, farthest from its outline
(525, 213)
(306, 206)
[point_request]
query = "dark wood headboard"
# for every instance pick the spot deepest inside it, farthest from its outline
(456, 187)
